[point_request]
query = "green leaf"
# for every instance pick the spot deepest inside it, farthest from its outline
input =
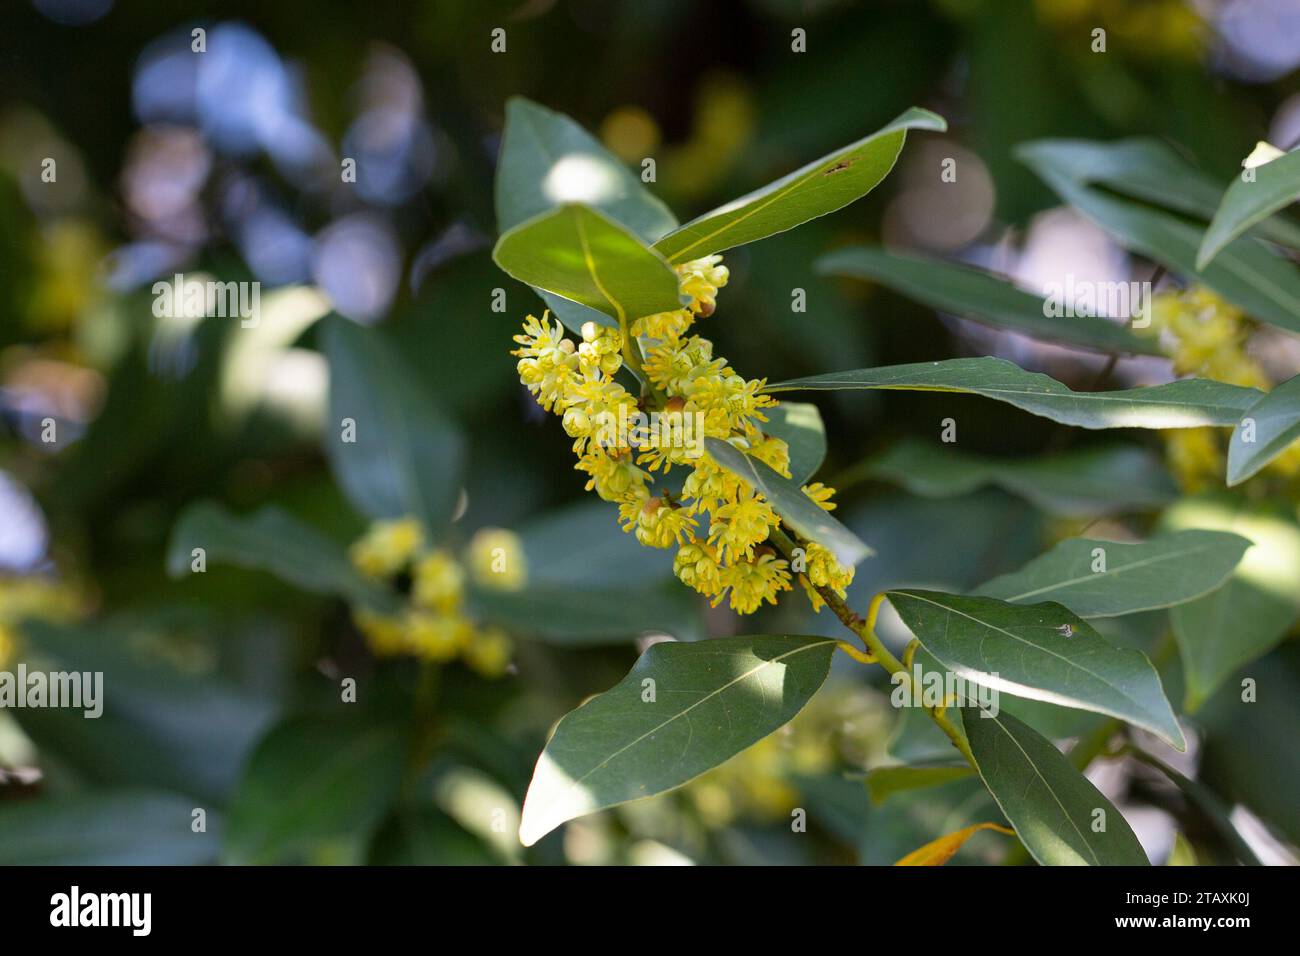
(1151, 170)
(1040, 651)
(1272, 424)
(272, 540)
(406, 459)
(105, 828)
(580, 255)
(574, 617)
(801, 513)
(1247, 273)
(548, 160)
(884, 782)
(1276, 185)
(1208, 802)
(799, 425)
(1187, 403)
(978, 296)
(314, 784)
(1253, 611)
(682, 709)
(425, 836)
(1052, 806)
(1108, 578)
(821, 187)
(1089, 482)
(160, 726)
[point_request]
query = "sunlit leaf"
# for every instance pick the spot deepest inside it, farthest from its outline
(1275, 186)
(1269, 427)
(580, 255)
(799, 425)
(682, 710)
(1060, 817)
(1187, 403)
(1040, 651)
(1108, 578)
(821, 187)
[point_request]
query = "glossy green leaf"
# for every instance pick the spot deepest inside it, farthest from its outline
(1054, 808)
(1109, 578)
(1246, 273)
(314, 785)
(1253, 610)
(407, 454)
(682, 709)
(548, 160)
(1187, 403)
(1088, 482)
(1155, 172)
(884, 782)
(799, 425)
(1208, 802)
(576, 617)
(808, 519)
(821, 187)
(580, 255)
(272, 540)
(1269, 427)
(1040, 651)
(106, 828)
(1275, 186)
(976, 295)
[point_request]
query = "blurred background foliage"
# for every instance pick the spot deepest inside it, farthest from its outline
(223, 688)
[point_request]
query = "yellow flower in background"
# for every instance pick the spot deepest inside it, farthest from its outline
(496, 559)
(488, 652)
(433, 624)
(387, 547)
(438, 582)
(8, 645)
(699, 395)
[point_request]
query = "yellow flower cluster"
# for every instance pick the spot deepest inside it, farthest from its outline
(434, 625)
(717, 521)
(1207, 336)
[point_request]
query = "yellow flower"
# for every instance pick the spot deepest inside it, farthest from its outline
(821, 494)
(599, 353)
(437, 637)
(821, 570)
(773, 452)
(385, 633)
(387, 547)
(438, 582)
(701, 279)
(753, 582)
(657, 523)
(663, 325)
(1195, 457)
(613, 475)
(739, 525)
(496, 559)
(696, 565)
(488, 653)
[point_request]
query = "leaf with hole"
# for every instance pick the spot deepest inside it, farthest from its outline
(1040, 651)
